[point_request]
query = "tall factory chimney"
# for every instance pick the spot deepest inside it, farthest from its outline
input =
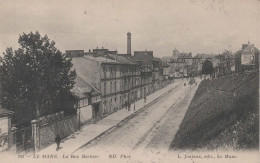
(129, 43)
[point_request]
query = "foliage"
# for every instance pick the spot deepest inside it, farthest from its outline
(246, 132)
(207, 67)
(223, 112)
(35, 78)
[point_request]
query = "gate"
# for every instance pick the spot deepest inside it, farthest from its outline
(24, 141)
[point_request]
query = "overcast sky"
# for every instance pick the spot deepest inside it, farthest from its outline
(197, 26)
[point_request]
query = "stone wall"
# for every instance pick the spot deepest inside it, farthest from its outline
(44, 133)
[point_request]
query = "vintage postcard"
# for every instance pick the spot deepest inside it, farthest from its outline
(152, 81)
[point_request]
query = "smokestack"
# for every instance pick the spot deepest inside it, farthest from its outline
(129, 43)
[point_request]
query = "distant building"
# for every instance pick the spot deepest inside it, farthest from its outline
(247, 58)
(164, 73)
(175, 54)
(185, 55)
(177, 66)
(148, 72)
(223, 63)
(74, 53)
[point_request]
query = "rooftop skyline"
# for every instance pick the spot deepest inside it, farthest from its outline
(196, 26)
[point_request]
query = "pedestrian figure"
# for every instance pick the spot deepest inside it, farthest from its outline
(144, 99)
(126, 105)
(129, 106)
(57, 141)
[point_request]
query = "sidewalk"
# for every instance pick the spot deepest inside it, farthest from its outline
(89, 132)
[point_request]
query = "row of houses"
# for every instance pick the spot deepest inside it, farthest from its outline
(184, 64)
(245, 59)
(107, 81)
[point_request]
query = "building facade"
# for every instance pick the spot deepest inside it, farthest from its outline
(116, 77)
(247, 58)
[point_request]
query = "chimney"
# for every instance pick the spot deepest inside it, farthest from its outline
(129, 43)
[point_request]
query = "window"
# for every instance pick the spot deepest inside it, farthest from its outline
(110, 87)
(115, 85)
(105, 72)
(115, 71)
(111, 75)
(105, 88)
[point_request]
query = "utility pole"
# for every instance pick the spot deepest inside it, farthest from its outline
(128, 104)
(133, 85)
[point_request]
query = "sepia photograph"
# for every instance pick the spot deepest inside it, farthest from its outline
(152, 81)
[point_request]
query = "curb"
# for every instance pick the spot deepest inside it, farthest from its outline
(127, 118)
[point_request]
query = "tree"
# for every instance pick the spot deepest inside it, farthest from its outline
(35, 78)
(207, 67)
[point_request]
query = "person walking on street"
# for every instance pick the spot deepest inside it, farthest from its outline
(126, 105)
(57, 141)
(129, 106)
(144, 99)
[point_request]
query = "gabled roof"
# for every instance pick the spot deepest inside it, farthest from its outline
(246, 50)
(5, 112)
(249, 48)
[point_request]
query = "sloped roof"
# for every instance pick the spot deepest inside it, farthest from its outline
(249, 48)
(147, 59)
(5, 112)
(83, 88)
(100, 59)
(122, 59)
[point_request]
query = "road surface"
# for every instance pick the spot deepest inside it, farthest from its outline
(154, 127)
